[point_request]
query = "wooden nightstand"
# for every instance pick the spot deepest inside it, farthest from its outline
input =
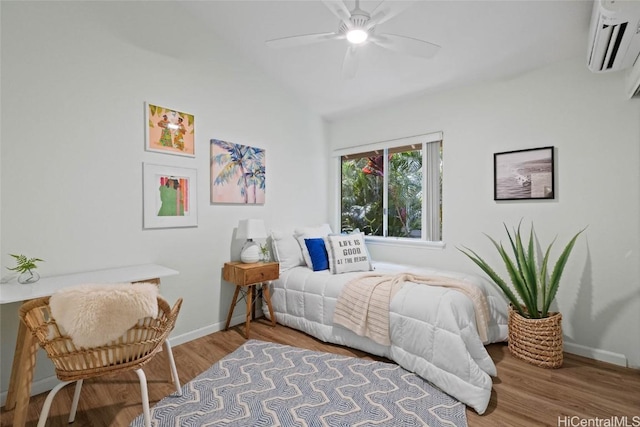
(246, 277)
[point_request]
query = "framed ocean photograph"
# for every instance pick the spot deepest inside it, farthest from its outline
(169, 196)
(169, 131)
(237, 173)
(524, 174)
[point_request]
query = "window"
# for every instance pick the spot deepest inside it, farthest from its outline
(393, 189)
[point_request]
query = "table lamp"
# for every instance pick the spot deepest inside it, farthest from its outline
(250, 229)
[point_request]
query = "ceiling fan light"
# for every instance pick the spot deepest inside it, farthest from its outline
(357, 36)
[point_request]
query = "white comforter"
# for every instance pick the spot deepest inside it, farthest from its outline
(433, 331)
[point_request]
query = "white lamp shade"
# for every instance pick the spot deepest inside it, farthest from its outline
(251, 229)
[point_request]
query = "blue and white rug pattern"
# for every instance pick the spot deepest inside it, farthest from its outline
(269, 384)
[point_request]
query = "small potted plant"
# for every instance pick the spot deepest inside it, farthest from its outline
(265, 255)
(535, 333)
(26, 267)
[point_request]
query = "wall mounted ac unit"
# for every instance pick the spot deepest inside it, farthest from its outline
(614, 38)
(633, 81)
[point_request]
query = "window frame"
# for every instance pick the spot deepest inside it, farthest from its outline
(427, 183)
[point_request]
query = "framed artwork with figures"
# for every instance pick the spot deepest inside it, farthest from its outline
(169, 131)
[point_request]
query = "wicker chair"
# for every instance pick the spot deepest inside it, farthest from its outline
(128, 353)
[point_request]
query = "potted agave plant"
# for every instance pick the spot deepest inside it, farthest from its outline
(535, 333)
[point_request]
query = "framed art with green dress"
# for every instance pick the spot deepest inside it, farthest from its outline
(169, 195)
(169, 131)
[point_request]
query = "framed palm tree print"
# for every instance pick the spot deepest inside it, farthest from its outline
(237, 173)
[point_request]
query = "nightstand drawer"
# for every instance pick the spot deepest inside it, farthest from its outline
(247, 274)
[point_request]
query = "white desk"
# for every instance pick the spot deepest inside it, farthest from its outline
(24, 358)
(46, 286)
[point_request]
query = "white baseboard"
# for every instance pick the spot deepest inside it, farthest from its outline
(37, 387)
(596, 354)
(207, 330)
(198, 333)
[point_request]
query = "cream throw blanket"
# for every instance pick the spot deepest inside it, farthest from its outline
(93, 315)
(363, 305)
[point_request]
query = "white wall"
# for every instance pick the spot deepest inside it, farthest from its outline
(596, 132)
(75, 76)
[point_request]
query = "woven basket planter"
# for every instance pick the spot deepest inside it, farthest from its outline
(536, 341)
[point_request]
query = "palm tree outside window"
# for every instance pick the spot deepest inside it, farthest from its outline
(395, 190)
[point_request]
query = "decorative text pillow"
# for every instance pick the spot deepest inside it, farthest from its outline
(347, 252)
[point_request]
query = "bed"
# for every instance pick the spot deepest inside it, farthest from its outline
(432, 330)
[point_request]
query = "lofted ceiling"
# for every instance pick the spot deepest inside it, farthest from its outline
(480, 41)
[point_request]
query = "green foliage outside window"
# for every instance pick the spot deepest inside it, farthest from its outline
(362, 194)
(361, 198)
(405, 194)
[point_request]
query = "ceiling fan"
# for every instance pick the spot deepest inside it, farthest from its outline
(359, 27)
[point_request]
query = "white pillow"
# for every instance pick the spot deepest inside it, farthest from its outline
(302, 233)
(347, 252)
(286, 250)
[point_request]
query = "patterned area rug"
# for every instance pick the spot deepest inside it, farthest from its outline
(268, 384)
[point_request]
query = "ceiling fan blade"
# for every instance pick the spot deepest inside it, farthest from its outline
(350, 64)
(403, 44)
(387, 10)
(302, 40)
(338, 8)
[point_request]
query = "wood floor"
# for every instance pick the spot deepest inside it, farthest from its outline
(523, 395)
